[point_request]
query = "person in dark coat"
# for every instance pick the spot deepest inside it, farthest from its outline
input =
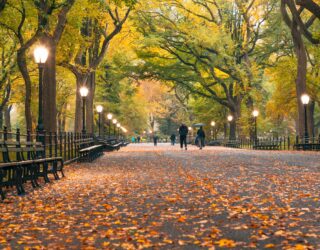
(155, 140)
(183, 132)
(173, 139)
(201, 137)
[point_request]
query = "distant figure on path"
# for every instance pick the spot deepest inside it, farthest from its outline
(201, 137)
(133, 139)
(173, 139)
(183, 132)
(155, 140)
(138, 138)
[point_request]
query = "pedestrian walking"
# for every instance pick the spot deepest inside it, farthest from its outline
(133, 139)
(173, 139)
(155, 140)
(183, 132)
(138, 139)
(201, 137)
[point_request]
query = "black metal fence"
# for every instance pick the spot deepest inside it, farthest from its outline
(62, 144)
(279, 143)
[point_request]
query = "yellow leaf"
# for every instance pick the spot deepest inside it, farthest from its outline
(269, 246)
(226, 243)
(182, 219)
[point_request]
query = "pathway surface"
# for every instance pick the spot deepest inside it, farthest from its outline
(167, 198)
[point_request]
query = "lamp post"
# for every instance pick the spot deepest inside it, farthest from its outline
(230, 119)
(99, 110)
(213, 124)
(109, 116)
(84, 91)
(118, 126)
(40, 56)
(190, 134)
(255, 114)
(114, 121)
(305, 99)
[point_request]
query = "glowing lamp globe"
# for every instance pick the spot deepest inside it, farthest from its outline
(109, 116)
(255, 113)
(84, 91)
(230, 118)
(99, 108)
(213, 124)
(305, 99)
(114, 121)
(40, 55)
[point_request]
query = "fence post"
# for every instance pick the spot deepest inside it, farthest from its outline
(5, 133)
(18, 155)
(29, 140)
(72, 152)
(55, 144)
(69, 148)
(50, 144)
(44, 143)
(60, 143)
(65, 146)
(289, 143)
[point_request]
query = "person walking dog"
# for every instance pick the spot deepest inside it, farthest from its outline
(183, 132)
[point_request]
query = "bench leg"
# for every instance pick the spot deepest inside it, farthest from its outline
(18, 179)
(1, 185)
(45, 172)
(61, 168)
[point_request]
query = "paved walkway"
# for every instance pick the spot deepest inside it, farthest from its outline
(167, 198)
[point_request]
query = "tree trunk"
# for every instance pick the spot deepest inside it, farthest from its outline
(1, 118)
(236, 113)
(49, 87)
(301, 73)
(7, 116)
(232, 130)
(22, 64)
(89, 103)
(310, 117)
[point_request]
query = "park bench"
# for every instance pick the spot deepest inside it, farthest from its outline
(26, 162)
(112, 144)
(88, 150)
(267, 145)
(232, 144)
(307, 146)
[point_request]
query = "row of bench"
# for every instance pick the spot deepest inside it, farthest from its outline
(24, 161)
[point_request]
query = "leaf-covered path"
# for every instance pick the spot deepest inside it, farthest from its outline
(165, 198)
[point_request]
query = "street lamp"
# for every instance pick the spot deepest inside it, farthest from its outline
(118, 126)
(114, 121)
(190, 134)
(305, 99)
(255, 114)
(99, 110)
(213, 124)
(109, 116)
(84, 91)
(230, 119)
(40, 56)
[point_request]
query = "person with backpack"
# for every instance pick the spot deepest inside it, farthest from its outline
(201, 137)
(183, 132)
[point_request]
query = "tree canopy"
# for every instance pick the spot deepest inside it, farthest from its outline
(154, 64)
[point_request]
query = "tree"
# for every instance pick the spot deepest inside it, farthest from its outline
(97, 32)
(298, 29)
(217, 60)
